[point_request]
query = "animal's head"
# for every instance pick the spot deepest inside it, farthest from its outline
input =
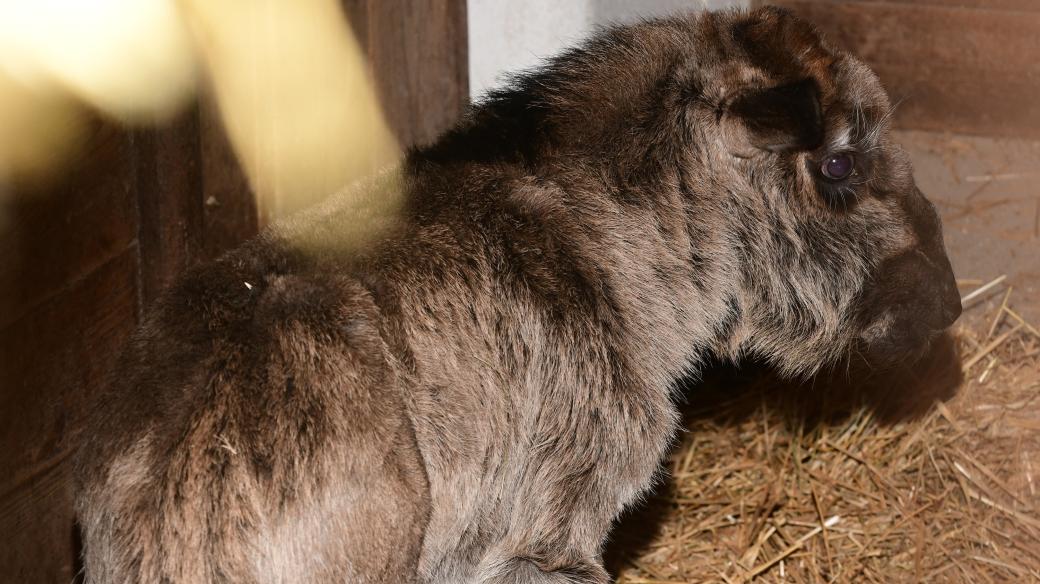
(801, 210)
(838, 250)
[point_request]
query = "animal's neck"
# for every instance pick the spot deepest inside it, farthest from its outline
(677, 270)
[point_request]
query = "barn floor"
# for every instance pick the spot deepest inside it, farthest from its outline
(988, 192)
(925, 475)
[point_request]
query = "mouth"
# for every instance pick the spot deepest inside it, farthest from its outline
(920, 307)
(912, 301)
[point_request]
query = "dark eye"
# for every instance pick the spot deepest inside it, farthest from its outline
(838, 166)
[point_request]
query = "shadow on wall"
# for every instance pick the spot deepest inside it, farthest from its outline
(626, 10)
(731, 395)
(506, 36)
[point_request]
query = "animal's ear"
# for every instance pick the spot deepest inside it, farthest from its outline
(785, 118)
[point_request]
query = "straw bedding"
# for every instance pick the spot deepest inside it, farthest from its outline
(929, 474)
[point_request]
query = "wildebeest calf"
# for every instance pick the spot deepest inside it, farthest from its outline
(476, 392)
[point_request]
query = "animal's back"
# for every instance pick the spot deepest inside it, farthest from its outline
(254, 416)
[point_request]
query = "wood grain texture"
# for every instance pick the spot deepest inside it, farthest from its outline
(1024, 5)
(168, 185)
(951, 68)
(228, 206)
(51, 238)
(418, 54)
(194, 199)
(52, 360)
(40, 540)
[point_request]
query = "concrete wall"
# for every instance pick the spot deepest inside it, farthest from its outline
(511, 35)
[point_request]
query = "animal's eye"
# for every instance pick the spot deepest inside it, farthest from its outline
(838, 166)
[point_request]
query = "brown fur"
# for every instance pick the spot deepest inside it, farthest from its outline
(476, 395)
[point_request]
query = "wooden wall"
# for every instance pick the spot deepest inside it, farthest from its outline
(964, 66)
(402, 40)
(80, 263)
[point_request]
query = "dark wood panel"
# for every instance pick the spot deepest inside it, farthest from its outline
(939, 100)
(924, 37)
(40, 539)
(54, 237)
(194, 199)
(168, 183)
(953, 69)
(229, 209)
(1024, 5)
(418, 54)
(52, 360)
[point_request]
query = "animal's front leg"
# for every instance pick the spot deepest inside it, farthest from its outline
(528, 571)
(569, 490)
(555, 530)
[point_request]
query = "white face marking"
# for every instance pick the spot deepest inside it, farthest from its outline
(841, 140)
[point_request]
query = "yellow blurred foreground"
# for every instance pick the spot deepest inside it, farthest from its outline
(288, 76)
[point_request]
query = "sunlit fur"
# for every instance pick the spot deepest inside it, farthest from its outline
(478, 394)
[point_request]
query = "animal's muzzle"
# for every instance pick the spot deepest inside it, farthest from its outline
(911, 300)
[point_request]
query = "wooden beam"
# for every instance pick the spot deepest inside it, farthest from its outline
(229, 207)
(1024, 5)
(950, 67)
(418, 55)
(167, 186)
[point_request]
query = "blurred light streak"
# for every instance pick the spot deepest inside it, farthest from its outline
(289, 79)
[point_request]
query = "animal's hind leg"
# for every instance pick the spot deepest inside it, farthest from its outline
(367, 530)
(280, 451)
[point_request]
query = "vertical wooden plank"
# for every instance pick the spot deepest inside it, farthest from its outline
(229, 209)
(168, 187)
(418, 54)
(194, 199)
(85, 218)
